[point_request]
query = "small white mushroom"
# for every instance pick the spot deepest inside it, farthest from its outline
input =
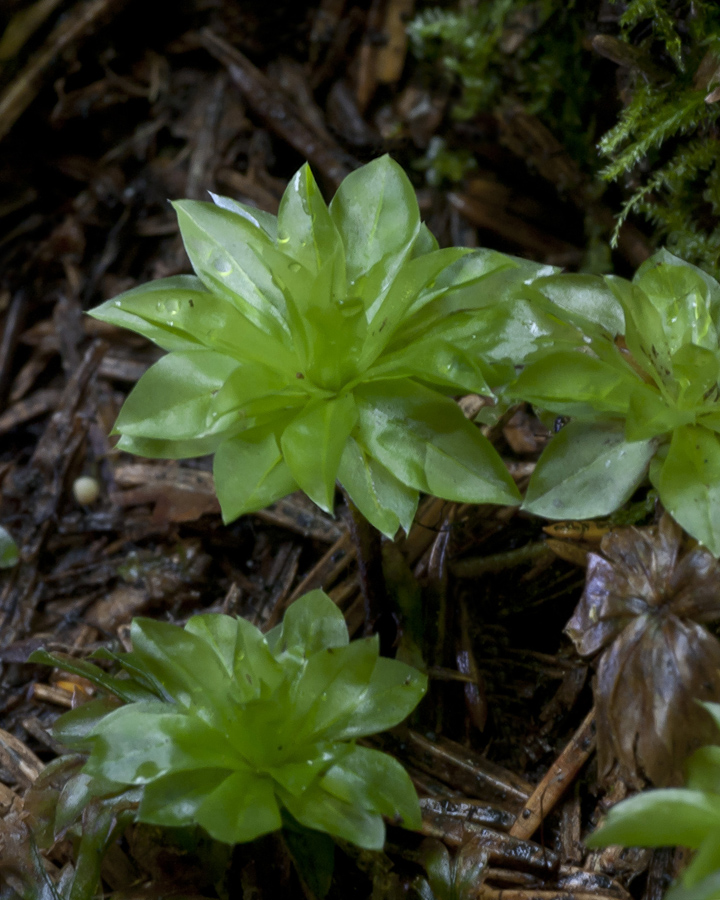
(86, 490)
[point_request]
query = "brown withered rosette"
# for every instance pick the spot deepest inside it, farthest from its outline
(645, 599)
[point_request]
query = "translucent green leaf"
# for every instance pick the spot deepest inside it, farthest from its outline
(142, 741)
(644, 333)
(375, 781)
(250, 473)
(186, 665)
(248, 383)
(73, 728)
(427, 443)
(435, 361)
(575, 384)
(388, 310)
(385, 501)
(243, 650)
(228, 254)
(587, 469)
(306, 231)
(331, 686)
(320, 810)
(9, 554)
(703, 770)
(262, 220)
(174, 799)
(376, 212)
(696, 371)
(241, 808)
(705, 862)
(689, 484)
(585, 301)
(172, 400)
(393, 691)
(154, 448)
(660, 818)
(649, 415)
(313, 444)
(311, 624)
(180, 314)
(683, 296)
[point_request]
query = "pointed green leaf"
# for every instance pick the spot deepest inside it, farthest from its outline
(703, 770)
(173, 398)
(311, 624)
(393, 692)
(319, 810)
(124, 688)
(306, 231)
(689, 484)
(243, 807)
(313, 444)
(262, 220)
(649, 414)
(375, 781)
(587, 469)
(385, 501)
(427, 443)
(575, 384)
(155, 448)
(250, 473)
(173, 800)
(228, 254)
(376, 212)
(142, 741)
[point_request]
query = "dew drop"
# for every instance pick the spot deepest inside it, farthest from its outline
(283, 238)
(118, 303)
(160, 306)
(294, 267)
(607, 463)
(173, 307)
(222, 265)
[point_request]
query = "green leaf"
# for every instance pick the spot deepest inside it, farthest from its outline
(707, 889)
(172, 400)
(684, 296)
(689, 484)
(188, 668)
(644, 333)
(313, 854)
(705, 862)
(319, 810)
(154, 448)
(585, 301)
(311, 624)
(393, 691)
(173, 800)
(9, 554)
(73, 728)
(376, 212)
(313, 444)
(243, 807)
(142, 741)
(331, 686)
(228, 254)
(243, 651)
(575, 384)
(383, 499)
(180, 314)
(587, 469)
(427, 443)
(649, 415)
(703, 770)
(262, 220)
(374, 781)
(660, 818)
(250, 473)
(306, 231)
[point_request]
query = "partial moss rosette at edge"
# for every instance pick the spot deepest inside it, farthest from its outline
(326, 344)
(224, 727)
(642, 393)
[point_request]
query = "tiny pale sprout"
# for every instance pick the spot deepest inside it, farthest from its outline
(86, 490)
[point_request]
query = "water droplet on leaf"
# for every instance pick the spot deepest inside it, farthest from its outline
(222, 265)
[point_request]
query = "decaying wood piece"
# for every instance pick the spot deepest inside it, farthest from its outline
(557, 780)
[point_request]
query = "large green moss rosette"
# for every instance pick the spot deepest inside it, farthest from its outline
(224, 727)
(643, 395)
(325, 345)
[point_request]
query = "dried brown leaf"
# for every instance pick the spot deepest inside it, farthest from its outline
(643, 603)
